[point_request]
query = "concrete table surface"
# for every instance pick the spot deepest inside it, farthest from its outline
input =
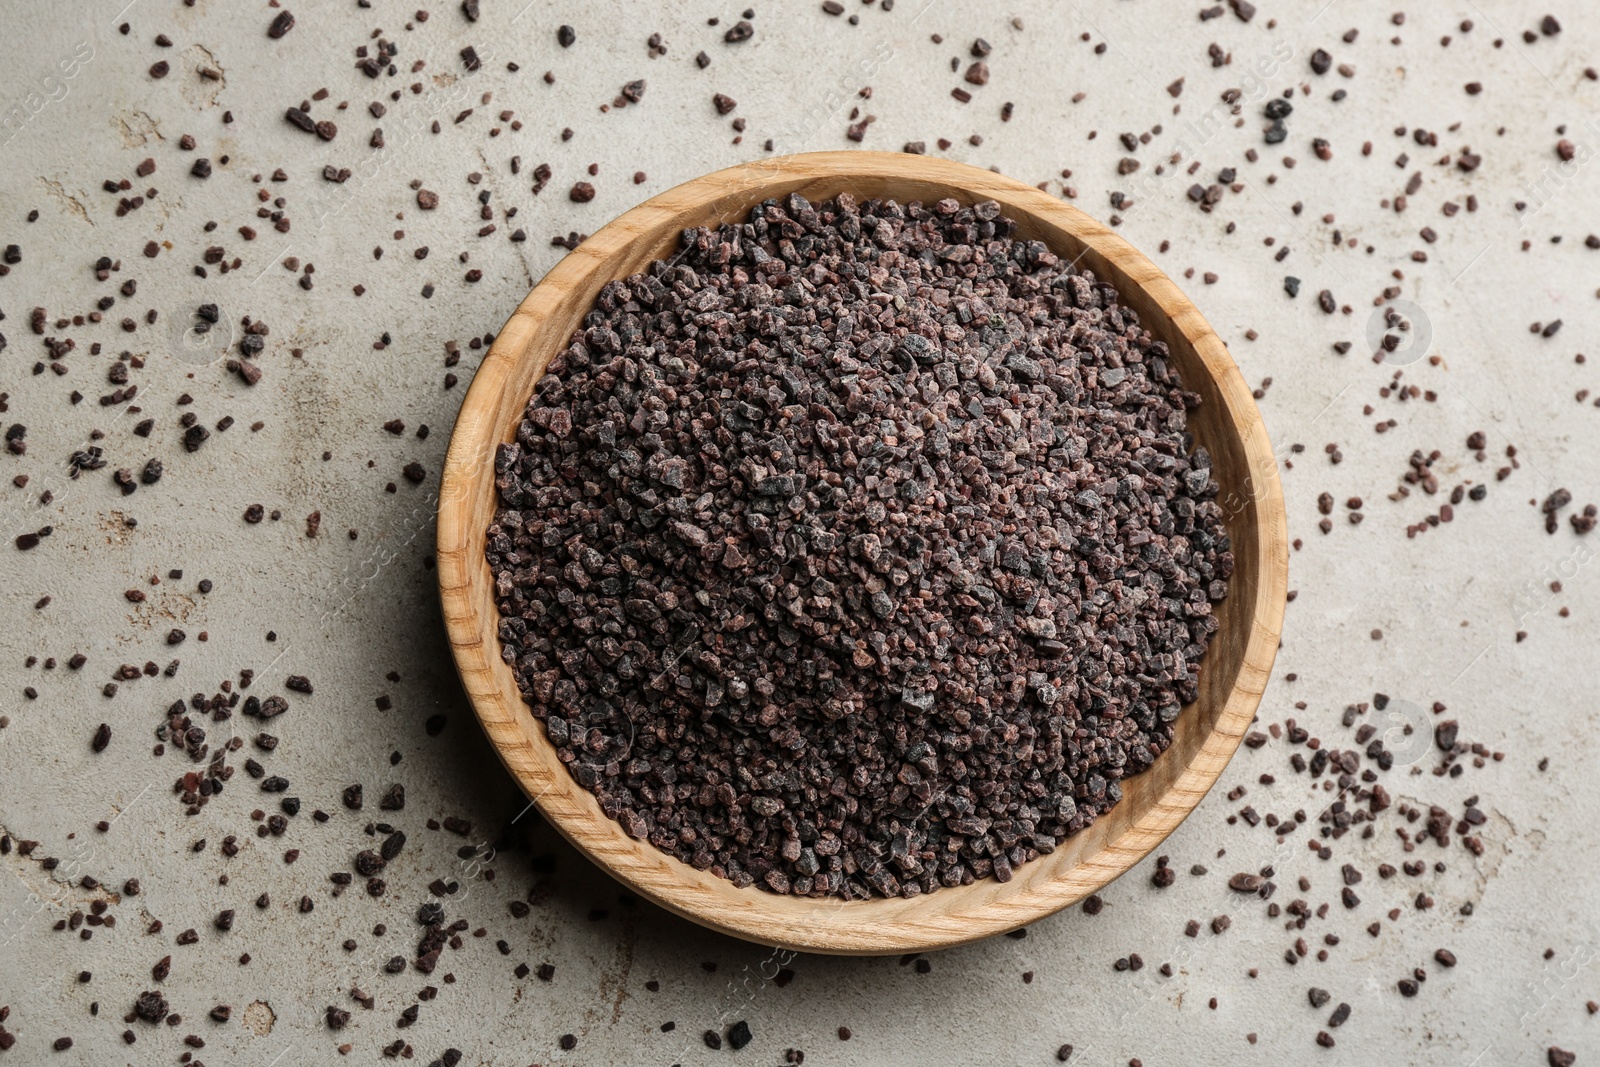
(1433, 617)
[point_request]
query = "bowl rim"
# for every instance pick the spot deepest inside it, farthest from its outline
(880, 925)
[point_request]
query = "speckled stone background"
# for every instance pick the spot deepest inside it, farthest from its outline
(1447, 606)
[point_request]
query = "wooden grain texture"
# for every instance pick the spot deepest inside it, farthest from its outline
(1232, 676)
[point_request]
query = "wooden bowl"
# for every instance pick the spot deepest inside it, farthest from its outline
(1232, 676)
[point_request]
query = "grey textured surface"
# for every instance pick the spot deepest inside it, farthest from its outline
(1449, 603)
